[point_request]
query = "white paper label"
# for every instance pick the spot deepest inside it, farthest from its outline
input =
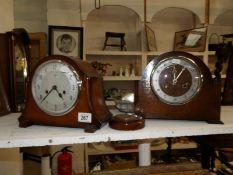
(84, 117)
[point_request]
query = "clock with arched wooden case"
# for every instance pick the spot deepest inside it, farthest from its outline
(65, 92)
(178, 85)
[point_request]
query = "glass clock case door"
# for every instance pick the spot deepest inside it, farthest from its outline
(19, 66)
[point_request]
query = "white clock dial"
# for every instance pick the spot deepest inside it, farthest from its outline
(176, 80)
(55, 87)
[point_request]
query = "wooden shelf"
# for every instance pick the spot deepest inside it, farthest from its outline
(122, 53)
(110, 150)
(193, 53)
(121, 78)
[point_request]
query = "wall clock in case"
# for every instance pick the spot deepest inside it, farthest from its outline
(19, 55)
(65, 92)
(178, 85)
(14, 62)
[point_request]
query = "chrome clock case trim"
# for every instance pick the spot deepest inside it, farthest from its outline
(170, 63)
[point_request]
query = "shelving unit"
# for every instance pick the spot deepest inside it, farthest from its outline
(165, 18)
(108, 149)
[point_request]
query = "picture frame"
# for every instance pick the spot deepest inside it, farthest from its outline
(192, 40)
(150, 36)
(67, 41)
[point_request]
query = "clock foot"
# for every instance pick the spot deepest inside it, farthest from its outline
(214, 122)
(90, 128)
(24, 122)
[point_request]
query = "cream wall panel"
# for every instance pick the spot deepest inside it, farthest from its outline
(31, 15)
(63, 4)
(64, 12)
(135, 5)
(63, 17)
(7, 15)
(109, 19)
(10, 161)
(197, 7)
(218, 7)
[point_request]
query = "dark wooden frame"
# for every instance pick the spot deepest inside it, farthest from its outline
(4, 103)
(150, 36)
(181, 38)
(38, 48)
(55, 32)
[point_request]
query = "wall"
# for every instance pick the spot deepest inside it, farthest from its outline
(35, 16)
(10, 161)
(31, 15)
(64, 12)
(7, 15)
(8, 157)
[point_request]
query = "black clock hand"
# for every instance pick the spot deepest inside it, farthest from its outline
(48, 93)
(59, 94)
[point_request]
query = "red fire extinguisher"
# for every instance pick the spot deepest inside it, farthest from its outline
(64, 161)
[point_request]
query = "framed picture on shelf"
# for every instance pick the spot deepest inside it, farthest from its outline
(150, 35)
(67, 41)
(193, 40)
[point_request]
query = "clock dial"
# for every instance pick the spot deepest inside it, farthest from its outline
(55, 87)
(176, 80)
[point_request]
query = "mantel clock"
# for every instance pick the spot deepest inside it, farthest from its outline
(178, 85)
(65, 92)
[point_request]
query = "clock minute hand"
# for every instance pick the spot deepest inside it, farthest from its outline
(179, 74)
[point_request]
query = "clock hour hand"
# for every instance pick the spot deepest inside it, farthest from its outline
(174, 72)
(48, 93)
(59, 94)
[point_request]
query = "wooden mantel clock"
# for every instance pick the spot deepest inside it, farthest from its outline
(178, 85)
(65, 92)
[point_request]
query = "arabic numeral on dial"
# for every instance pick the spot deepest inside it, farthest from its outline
(40, 76)
(71, 98)
(71, 77)
(64, 104)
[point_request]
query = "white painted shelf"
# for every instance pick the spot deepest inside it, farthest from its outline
(11, 135)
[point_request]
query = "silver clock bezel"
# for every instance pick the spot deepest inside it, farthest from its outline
(180, 100)
(79, 83)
